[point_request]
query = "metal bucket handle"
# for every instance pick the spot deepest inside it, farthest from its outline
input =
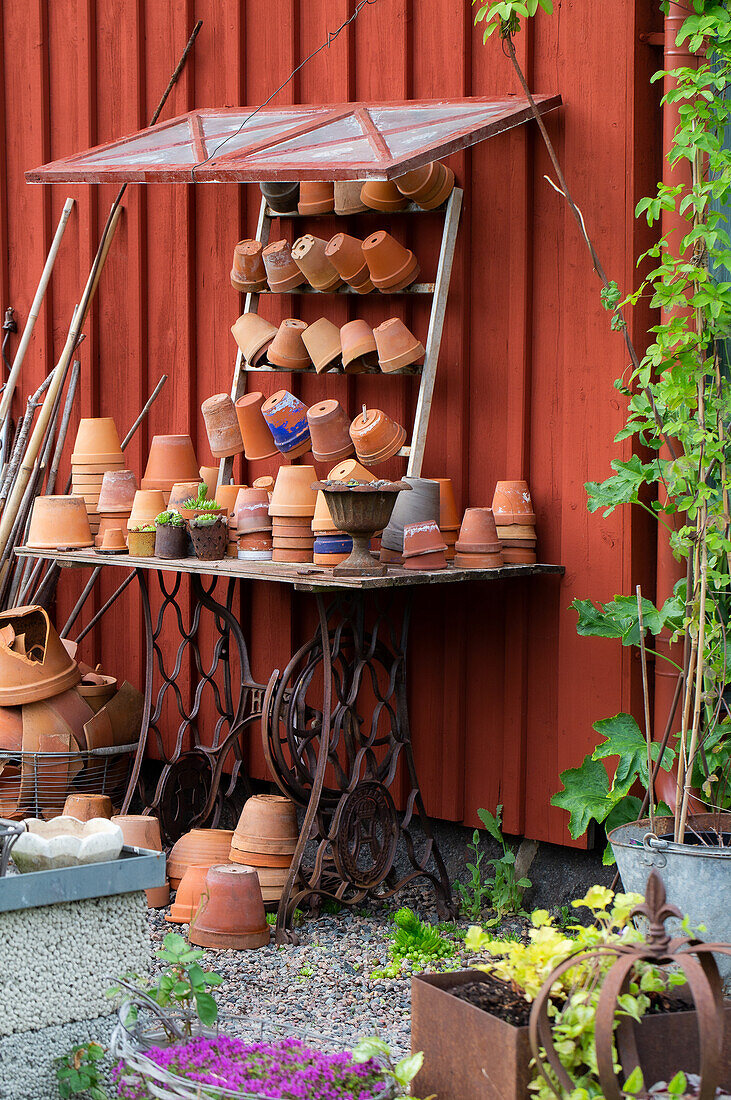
(653, 845)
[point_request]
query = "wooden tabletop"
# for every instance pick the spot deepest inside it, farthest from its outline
(304, 577)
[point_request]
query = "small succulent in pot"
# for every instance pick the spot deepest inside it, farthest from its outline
(210, 536)
(171, 536)
(200, 505)
(141, 541)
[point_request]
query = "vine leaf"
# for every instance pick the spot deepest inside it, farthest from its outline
(623, 738)
(585, 795)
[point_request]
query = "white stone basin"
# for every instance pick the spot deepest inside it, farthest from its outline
(66, 842)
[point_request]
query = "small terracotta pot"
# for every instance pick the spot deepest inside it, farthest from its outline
(146, 506)
(382, 195)
(226, 496)
(286, 416)
(392, 266)
(113, 539)
(358, 346)
(322, 521)
(347, 197)
(449, 515)
(397, 347)
(478, 534)
(376, 437)
(346, 256)
(117, 491)
(350, 470)
(222, 426)
(96, 441)
(248, 274)
(171, 542)
(190, 889)
(141, 544)
(316, 197)
(429, 186)
(283, 274)
(293, 493)
(281, 197)
(198, 846)
(479, 561)
(252, 511)
(26, 679)
(308, 253)
(208, 475)
(329, 431)
(171, 459)
(253, 334)
(514, 556)
(115, 521)
(512, 531)
(182, 491)
(59, 522)
(420, 503)
(209, 542)
(436, 559)
(267, 824)
(85, 807)
(422, 538)
(266, 481)
(322, 340)
(258, 441)
(292, 557)
(231, 914)
(512, 503)
(287, 349)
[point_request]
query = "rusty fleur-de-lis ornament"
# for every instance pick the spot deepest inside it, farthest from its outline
(693, 957)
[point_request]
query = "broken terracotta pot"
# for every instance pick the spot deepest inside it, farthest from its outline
(86, 807)
(143, 831)
(34, 663)
(287, 349)
(424, 546)
(96, 442)
(350, 470)
(182, 491)
(347, 197)
(96, 689)
(512, 503)
(316, 197)
(59, 522)
(382, 195)
(281, 197)
(11, 729)
(117, 491)
(190, 891)
(376, 436)
(322, 340)
(198, 846)
(397, 347)
(171, 459)
(478, 534)
(253, 335)
(358, 347)
(286, 416)
(231, 915)
(283, 274)
(308, 253)
(146, 506)
(329, 431)
(345, 253)
(252, 511)
(222, 426)
(421, 503)
(248, 274)
(392, 266)
(258, 441)
(293, 493)
(429, 186)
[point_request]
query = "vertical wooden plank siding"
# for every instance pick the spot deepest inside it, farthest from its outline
(503, 692)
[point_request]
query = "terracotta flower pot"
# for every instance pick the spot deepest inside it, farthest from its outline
(226, 496)
(96, 689)
(114, 521)
(146, 506)
(198, 846)
(347, 197)
(34, 663)
(209, 542)
(117, 491)
(397, 347)
(281, 197)
(293, 542)
(422, 538)
(255, 542)
(253, 335)
(293, 493)
(382, 195)
(182, 491)
(322, 521)
(322, 340)
(345, 253)
(421, 503)
(259, 859)
(191, 889)
(291, 527)
(350, 470)
(222, 426)
(96, 441)
(429, 186)
(308, 253)
(376, 436)
(392, 266)
(248, 274)
(266, 481)
(329, 431)
(512, 503)
(140, 831)
(252, 511)
(113, 540)
(514, 556)
(283, 274)
(171, 459)
(59, 522)
(316, 197)
(287, 349)
(258, 441)
(478, 534)
(479, 561)
(141, 544)
(267, 824)
(358, 346)
(231, 914)
(286, 416)
(449, 515)
(85, 807)
(291, 557)
(171, 542)
(436, 559)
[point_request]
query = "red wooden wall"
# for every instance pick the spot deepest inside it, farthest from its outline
(503, 692)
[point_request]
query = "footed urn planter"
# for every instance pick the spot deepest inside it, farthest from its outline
(360, 511)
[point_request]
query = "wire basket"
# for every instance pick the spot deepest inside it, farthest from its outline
(36, 784)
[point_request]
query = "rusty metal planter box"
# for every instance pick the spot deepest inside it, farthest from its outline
(471, 1055)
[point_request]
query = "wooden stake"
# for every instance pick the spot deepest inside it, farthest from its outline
(646, 694)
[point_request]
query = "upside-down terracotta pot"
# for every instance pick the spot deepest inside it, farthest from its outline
(171, 459)
(358, 346)
(287, 349)
(182, 491)
(291, 557)
(85, 807)
(252, 511)
(34, 664)
(308, 253)
(113, 540)
(222, 426)
(429, 186)
(258, 441)
(293, 493)
(231, 915)
(96, 441)
(382, 195)
(248, 274)
(146, 506)
(424, 546)
(283, 274)
(478, 533)
(513, 555)
(397, 347)
(226, 496)
(190, 890)
(449, 515)
(322, 521)
(392, 266)
(512, 503)
(329, 431)
(281, 197)
(479, 561)
(114, 521)
(59, 522)
(253, 335)
(345, 253)
(291, 526)
(143, 831)
(209, 476)
(347, 197)
(322, 340)
(376, 436)
(419, 504)
(316, 197)
(350, 470)
(286, 416)
(96, 689)
(117, 491)
(198, 846)
(267, 824)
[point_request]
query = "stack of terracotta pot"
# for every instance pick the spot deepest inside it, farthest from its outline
(116, 498)
(226, 496)
(449, 514)
(478, 545)
(516, 522)
(424, 547)
(265, 838)
(253, 525)
(331, 546)
(292, 508)
(197, 848)
(96, 451)
(171, 459)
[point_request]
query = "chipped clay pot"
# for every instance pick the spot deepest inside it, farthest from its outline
(350, 470)
(86, 807)
(146, 506)
(287, 348)
(59, 522)
(171, 459)
(253, 335)
(397, 347)
(382, 195)
(248, 274)
(117, 491)
(308, 253)
(286, 416)
(141, 544)
(424, 546)
(322, 340)
(316, 197)
(376, 436)
(422, 503)
(222, 426)
(392, 266)
(429, 186)
(329, 431)
(96, 441)
(231, 914)
(358, 347)
(252, 512)
(347, 197)
(198, 846)
(478, 534)
(281, 197)
(258, 441)
(283, 274)
(345, 253)
(182, 491)
(512, 503)
(96, 689)
(293, 493)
